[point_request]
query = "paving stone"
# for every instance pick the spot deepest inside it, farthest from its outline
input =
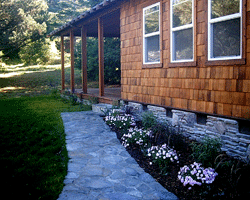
(117, 175)
(96, 171)
(98, 184)
(100, 167)
(72, 175)
(131, 172)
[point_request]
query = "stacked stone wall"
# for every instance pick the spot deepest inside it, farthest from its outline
(234, 143)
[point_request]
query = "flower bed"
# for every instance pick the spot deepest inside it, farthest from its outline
(172, 161)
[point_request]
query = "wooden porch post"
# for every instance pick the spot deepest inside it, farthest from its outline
(84, 60)
(72, 77)
(101, 56)
(62, 63)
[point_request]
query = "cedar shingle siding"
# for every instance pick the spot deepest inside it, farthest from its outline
(213, 87)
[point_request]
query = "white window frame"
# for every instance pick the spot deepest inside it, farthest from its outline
(183, 27)
(151, 34)
(222, 19)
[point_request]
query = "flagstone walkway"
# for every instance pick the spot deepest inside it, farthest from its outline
(99, 167)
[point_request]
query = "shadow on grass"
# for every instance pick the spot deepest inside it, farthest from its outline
(33, 83)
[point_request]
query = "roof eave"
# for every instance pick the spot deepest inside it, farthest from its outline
(84, 16)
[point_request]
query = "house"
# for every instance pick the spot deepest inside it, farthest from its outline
(188, 60)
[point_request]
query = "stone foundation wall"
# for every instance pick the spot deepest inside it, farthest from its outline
(197, 127)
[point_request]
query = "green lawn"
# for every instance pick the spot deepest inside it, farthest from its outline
(32, 146)
(32, 139)
(34, 80)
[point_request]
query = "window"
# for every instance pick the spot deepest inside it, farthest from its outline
(224, 29)
(182, 31)
(151, 34)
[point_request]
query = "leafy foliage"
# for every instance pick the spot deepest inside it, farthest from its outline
(148, 120)
(206, 151)
(112, 70)
(21, 22)
(37, 52)
(64, 11)
(92, 3)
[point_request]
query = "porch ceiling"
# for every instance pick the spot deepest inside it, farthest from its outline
(108, 10)
(111, 26)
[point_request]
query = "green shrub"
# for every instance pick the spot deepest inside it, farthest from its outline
(176, 139)
(73, 99)
(37, 52)
(93, 99)
(163, 132)
(148, 120)
(2, 68)
(206, 151)
(112, 69)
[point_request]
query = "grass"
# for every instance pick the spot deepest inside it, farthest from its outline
(32, 139)
(18, 80)
(32, 145)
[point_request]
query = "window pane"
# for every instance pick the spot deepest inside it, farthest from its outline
(226, 38)
(183, 45)
(153, 9)
(224, 7)
(182, 12)
(152, 22)
(152, 49)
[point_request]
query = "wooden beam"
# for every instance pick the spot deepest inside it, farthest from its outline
(101, 56)
(62, 63)
(72, 60)
(84, 59)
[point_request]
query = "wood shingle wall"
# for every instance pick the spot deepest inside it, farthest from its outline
(215, 88)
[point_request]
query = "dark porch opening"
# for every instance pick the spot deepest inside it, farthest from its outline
(101, 21)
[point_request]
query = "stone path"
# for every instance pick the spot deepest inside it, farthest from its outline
(99, 167)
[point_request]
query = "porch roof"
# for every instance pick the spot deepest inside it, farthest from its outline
(108, 10)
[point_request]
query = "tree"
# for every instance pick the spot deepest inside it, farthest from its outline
(21, 22)
(92, 3)
(37, 52)
(62, 11)
(112, 72)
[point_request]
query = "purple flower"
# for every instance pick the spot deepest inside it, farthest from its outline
(196, 175)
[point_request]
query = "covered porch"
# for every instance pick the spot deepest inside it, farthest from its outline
(110, 94)
(101, 21)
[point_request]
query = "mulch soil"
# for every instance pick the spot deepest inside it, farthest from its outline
(231, 183)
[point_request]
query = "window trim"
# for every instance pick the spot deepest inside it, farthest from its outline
(229, 60)
(186, 62)
(152, 64)
(222, 19)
